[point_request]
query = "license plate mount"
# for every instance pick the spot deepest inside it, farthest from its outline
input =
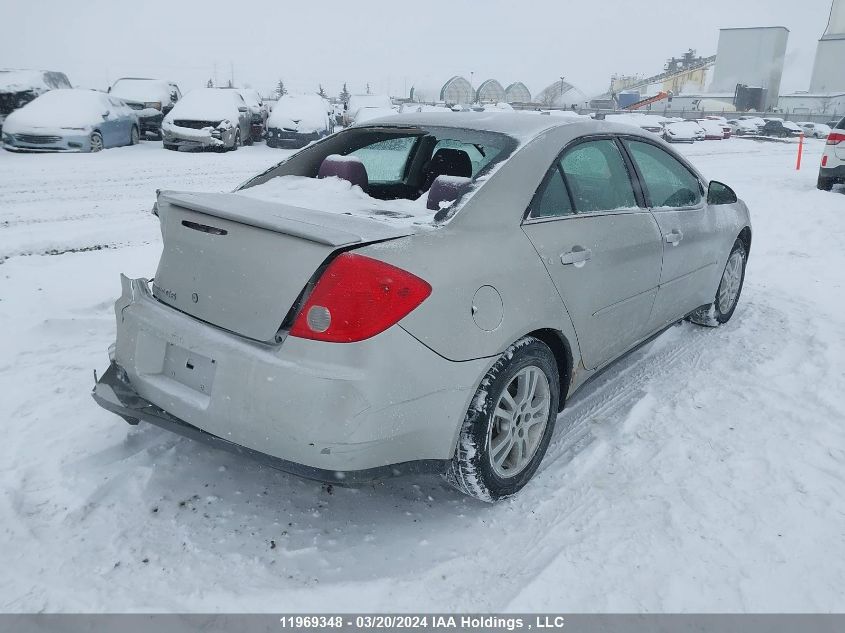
(189, 368)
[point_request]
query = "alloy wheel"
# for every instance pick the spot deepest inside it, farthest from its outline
(519, 422)
(731, 282)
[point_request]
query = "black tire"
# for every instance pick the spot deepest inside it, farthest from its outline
(471, 470)
(237, 142)
(171, 146)
(716, 314)
(825, 184)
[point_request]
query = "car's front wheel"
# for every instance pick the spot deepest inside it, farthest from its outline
(727, 294)
(96, 142)
(509, 423)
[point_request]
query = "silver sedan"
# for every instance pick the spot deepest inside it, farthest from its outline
(422, 293)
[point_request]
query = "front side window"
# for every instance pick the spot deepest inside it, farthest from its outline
(597, 177)
(667, 181)
(386, 161)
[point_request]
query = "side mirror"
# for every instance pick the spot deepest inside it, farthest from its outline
(106, 114)
(242, 109)
(720, 193)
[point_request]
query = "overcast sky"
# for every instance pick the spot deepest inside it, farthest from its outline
(390, 44)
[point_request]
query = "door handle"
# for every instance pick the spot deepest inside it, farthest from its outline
(674, 237)
(578, 256)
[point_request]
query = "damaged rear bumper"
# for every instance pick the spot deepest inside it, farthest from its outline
(380, 407)
(114, 393)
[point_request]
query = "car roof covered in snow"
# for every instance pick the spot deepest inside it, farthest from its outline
(520, 125)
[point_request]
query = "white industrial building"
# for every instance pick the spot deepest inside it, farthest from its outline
(829, 66)
(753, 57)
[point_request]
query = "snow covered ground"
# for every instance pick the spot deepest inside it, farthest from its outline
(703, 473)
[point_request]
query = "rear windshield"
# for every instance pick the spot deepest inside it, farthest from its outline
(841, 125)
(401, 164)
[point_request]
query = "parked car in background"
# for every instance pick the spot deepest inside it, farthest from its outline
(258, 111)
(755, 120)
(780, 128)
(814, 130)
(681, 131)
(713, 130)
(356, 102)
(368, 114)
(19, 87)
(151, 99)
(208, 118)
(649, 122)
(832, 169)
(71, 120)
(296, 120)
(314, 320)
(741, 127)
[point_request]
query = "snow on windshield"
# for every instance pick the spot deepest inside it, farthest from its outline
(305, 113)
(35, 80)
(207, 104)
(251, 97)
(334, 195)
(62, 108)
(142, 90)
(356, 102)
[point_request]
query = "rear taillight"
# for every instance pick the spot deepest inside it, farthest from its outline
(356, 298)
(835, 138)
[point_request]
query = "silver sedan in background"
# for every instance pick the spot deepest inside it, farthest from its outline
(421, 293)
(208, 118)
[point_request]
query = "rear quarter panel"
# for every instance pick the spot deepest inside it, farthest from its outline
(484, 245)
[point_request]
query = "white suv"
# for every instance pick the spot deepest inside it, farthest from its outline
(832, 169)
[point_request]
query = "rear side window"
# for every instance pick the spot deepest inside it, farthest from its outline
(479, 155)
(841, 125)
(597, 177)
(553, 200)
(386, 160)
(668, 182)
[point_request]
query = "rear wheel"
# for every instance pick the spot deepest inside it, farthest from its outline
(825, 184)
(237, 142)
(171, 146)
(509, 424)
(96, 142)
(727, 294)
(134, 136)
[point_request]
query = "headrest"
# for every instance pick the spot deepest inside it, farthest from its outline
(446, 189)
(349, 168)
(451, 162)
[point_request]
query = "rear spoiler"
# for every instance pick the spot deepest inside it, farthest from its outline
(329, 229)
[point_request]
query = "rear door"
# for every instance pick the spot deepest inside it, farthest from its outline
(600, 247)
(691, 240)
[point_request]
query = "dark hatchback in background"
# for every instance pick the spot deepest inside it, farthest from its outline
(151, 99)
(19, 87)
(782, 129)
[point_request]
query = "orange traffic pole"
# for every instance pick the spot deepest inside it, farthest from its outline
(800, 150)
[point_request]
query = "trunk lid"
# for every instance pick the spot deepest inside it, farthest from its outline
(241, 263)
